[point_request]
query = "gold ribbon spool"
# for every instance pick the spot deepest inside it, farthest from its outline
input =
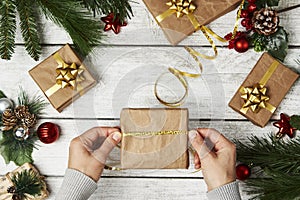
(182, 8)
(255, 97)
(68, 75)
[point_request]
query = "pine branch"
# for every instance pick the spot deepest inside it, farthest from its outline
(29, 27)
(121, 8)
(271, 153)
(27, 182)
(7, 28)
(279, 185)
(84, 31)
(35, 104)
(2, 95)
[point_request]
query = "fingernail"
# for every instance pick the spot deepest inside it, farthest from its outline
(192, 134)
(116, 136)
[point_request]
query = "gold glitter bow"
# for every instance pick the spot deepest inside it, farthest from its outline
(255, 97)
(68, 75)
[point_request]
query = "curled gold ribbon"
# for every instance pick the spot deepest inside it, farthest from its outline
(182, 8)
(255, 97)
(68, 75)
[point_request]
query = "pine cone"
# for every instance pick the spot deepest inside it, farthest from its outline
(265, 21)
(9, 119)
(29, 120)
(11, 189)
(21, 112)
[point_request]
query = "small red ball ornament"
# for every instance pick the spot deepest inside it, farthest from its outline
(244, 13)
(241, 45)
(242, 172)
(252, 7)
(48, 132)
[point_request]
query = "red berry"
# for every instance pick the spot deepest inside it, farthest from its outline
(251, 1)
(244, 22)
(244, 13)
(252, 7)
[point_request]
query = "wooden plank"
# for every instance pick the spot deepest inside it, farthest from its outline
(52, 159)
(143, 30)
(143, 188)
(126, 76)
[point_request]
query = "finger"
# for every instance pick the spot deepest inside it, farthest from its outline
(110, 142)
(197, 161)
(215, 137)
(199, 145)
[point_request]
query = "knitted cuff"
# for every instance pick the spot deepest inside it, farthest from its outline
(229, 191)
(76, 186)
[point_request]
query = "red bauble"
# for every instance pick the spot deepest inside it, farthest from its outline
(242, 171)
(244, 13)
(48, 132)
(113, 23)
(252, 7)
(241, 45)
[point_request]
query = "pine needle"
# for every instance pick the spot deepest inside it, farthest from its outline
(85, 32)
(29, 27)
(7, 28)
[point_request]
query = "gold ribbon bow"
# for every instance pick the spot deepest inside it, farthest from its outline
(68, 75)
(182, 8)
(255, 97)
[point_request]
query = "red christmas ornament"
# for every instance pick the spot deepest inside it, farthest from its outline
(244, 13)
(252, 7)
(284, 126)
(112, 23)
(241, 45)
(48, 132)
(242, 171)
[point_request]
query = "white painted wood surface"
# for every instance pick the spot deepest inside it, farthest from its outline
(126, 71)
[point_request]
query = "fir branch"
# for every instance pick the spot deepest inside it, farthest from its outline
(278, 185)
(2, 95)
(84, 31)
(15, 150)
(29, 27)
(7, 28)
(120, 8)
(35, 104)
(27, 182)
(271, 153)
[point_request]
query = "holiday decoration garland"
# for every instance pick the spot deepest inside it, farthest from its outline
(73, 15)
(17, 123)
(263, 31)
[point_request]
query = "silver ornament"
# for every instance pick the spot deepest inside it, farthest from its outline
(21, 133)
(5, 104)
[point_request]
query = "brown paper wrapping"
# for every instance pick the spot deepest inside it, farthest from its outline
(157, 151)
(176, 29)
(278, 85)
(5, 183)
(44, 75)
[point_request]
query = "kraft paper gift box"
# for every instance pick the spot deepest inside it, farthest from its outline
(6, 182)
(63, 86)
(276, 80)
(176, 29)
(154, 138)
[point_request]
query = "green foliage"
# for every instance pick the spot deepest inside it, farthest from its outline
(120, 7)
(29, 27)
(277, 44)
(7, 28)
(263, 3)
(2, 95)
(84, 31)
(15, 150)
(27, 182)
(35, 104)
(295, 121)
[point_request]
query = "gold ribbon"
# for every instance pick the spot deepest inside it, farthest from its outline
(153, 133)
(255, 97)
(182, 8)
(68, 75)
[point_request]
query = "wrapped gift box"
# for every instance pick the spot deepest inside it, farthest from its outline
(154, 139)
(276, 79)
(176, 29)
(6, 182)
(46, 75)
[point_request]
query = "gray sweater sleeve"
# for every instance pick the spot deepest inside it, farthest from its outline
(76, 186)
(229, 191)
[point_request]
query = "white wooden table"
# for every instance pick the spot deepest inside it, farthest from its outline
(126, 71)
